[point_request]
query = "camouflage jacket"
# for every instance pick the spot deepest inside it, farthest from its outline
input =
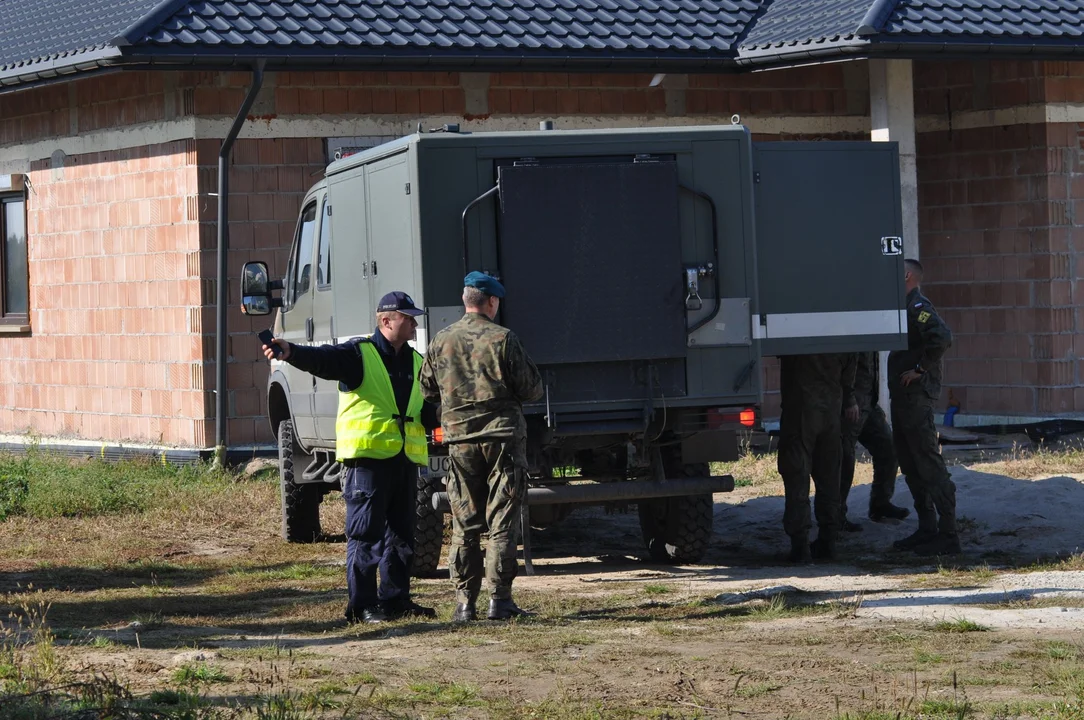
(928, 337)
(820, 382)
(867, 380)
(481, 375)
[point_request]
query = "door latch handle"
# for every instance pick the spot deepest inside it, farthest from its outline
(309, 329)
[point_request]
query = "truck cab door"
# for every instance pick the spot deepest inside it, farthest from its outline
(391, 243)
(829, 247)
(297, 319)
(326, 396)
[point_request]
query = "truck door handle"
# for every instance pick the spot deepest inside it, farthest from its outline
(308, 329)
(374, 268)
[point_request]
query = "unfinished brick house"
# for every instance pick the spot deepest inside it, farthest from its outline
(113, 114)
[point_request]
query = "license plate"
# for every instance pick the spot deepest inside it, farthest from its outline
(440, 465)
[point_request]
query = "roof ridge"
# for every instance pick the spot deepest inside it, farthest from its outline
(874, 19)
(143, 25)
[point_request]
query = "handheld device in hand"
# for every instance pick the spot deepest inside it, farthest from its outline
(266, 337)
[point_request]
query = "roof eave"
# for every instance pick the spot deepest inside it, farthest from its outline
(60, 68)
(789, 56)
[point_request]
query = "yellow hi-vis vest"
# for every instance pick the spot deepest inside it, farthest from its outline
(369, 426)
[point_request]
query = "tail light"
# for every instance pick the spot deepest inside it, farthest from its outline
(726, 416)
(438, 435)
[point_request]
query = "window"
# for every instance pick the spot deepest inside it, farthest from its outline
(299, 275)
(323, 260)
(14, 266)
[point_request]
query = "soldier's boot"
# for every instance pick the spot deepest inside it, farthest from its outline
(851, 527)
(945, 542)
(887, 511)
(799, 549)
(464, 612)
(824, 547)
(927, 530)
(505, 608)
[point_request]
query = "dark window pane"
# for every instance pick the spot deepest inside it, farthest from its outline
(16, 290)
(323, 267)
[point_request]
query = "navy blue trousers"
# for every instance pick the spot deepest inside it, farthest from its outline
(380, 509)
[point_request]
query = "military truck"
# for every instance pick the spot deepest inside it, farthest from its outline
(648, 271)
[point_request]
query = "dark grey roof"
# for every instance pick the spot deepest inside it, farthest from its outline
(41, 38)
(793, 22)
(1050, 20)
(666, 27)
(38, 31)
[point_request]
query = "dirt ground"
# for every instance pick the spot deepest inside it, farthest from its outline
(206, 605)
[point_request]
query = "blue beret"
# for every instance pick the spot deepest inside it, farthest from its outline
(486, 283)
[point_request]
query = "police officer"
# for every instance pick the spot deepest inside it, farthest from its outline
(815, 391)
(914, 384)
(873, 432)
(380, 439)
(481, 375)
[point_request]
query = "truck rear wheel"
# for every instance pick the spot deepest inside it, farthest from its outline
(300, 501)
(428, 528)
(678, 529)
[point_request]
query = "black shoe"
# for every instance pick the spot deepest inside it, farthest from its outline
(823, 548)
(888, 512)
(799, 551)
(373, 615)
(918, 537)
(504, 609)
(395, 611)
(851, 527)
(940, 544)
(464, 613)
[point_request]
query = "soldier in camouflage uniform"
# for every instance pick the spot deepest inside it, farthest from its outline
(816, 390)
(481, 375)
(914, 383)
(873, 432)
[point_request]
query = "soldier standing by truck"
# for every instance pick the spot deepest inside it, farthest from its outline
(815, 390)
(873, 432)
(380, 440)
(914, 384)
(481, 375)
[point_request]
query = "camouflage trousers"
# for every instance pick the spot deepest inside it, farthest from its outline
(486, 487)
(919, 453)
(873, 432)
(809, 447)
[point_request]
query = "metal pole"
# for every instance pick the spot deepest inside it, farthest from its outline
(221, 395)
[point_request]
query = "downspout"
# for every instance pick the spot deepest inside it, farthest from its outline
(221, 394)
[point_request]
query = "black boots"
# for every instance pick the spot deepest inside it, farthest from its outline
(824, 547)
(888, 511)
(927, 530)
(799, 549)
(945, 542)
(464, 612)
(504, 609)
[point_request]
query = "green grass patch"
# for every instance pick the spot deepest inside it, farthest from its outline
(961, 625)
(1058, 650)
(657, 589)
(42, 485)
(199, 674)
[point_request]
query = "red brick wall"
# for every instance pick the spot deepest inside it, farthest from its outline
(268, 180)
(115, 351)
(999, 237)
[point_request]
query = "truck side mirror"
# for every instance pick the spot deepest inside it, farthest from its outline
(256, 287)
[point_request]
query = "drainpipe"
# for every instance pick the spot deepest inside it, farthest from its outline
(221, 395)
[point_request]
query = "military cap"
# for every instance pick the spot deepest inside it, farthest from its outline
(486, 283)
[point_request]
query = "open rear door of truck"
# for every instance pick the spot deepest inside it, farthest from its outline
(829, 247)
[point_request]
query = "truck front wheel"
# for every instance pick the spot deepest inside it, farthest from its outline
(300, 501)
(428, 527)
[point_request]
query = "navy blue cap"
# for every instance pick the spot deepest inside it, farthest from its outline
(399, 302)
(486, 283)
